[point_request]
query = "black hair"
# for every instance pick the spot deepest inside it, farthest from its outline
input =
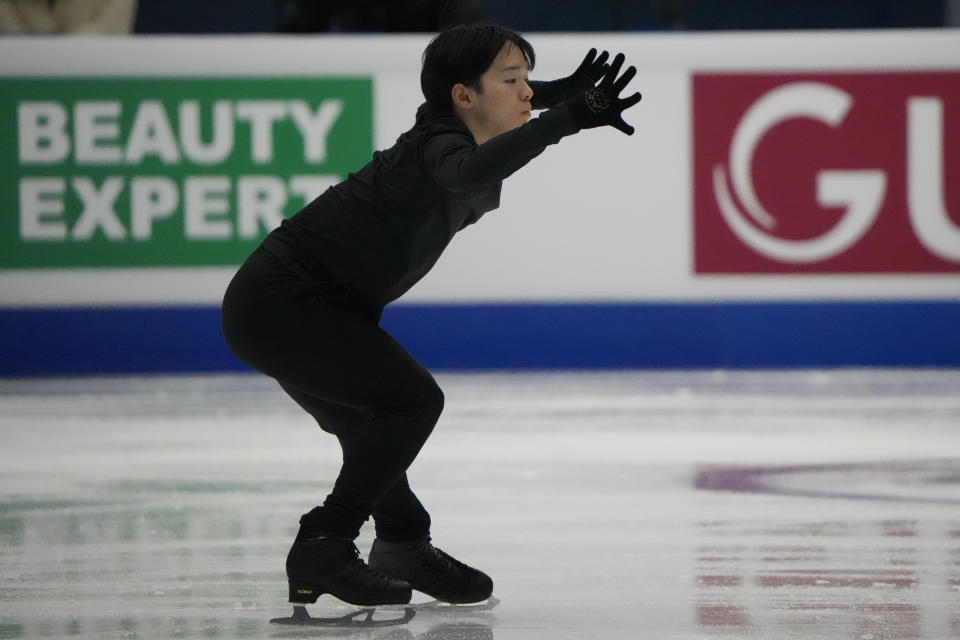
(462, 54)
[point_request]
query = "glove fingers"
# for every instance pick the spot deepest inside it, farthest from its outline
(626, 103)
(623, 126)
(600, 62)
(587, 61)
(623, 105)
(614, 70)
(624, 80)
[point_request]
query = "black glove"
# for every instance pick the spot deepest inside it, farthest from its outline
(548, 94)
(601, 105)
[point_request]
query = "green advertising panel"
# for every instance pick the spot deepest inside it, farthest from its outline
(167, 172)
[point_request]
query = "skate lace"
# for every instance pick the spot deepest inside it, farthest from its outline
(362, 571)
(438, 562)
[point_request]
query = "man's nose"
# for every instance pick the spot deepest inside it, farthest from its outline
(527, 93)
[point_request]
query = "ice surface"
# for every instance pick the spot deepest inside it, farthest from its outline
(605, 505)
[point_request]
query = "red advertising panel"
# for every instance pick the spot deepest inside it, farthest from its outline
(826, 172)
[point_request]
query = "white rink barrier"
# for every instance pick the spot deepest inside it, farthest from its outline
(788, 199)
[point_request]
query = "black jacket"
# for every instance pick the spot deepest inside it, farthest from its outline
(384, 227)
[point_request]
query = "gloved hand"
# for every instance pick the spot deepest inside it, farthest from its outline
(587, 74)
(601, 105)
(548, 94)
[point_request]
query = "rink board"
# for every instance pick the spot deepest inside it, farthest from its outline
(787, 200)
(521, 336)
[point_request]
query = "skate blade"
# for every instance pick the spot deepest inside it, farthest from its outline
(436, 606)
(361, 618)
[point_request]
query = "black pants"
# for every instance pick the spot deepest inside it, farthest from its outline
(359, 384)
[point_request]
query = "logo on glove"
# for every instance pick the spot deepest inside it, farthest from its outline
(597, 100)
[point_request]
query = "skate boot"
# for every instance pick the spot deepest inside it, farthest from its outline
(430, 571)
(318, 565)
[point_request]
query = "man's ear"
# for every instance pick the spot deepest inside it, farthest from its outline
(460, 96)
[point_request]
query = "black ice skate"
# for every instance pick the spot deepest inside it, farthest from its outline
(320, 565)
(332, 565)
(431, 571)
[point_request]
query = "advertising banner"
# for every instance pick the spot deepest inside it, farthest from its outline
(826, 172)
(159, 172)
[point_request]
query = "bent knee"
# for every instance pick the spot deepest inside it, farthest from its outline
(433, 405)
(422, 407)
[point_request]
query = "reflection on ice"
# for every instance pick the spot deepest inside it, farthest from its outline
(934, 481)
(886, 578)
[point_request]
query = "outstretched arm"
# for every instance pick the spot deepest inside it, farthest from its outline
(455, 162)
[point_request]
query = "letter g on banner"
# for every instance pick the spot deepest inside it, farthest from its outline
(861, 192)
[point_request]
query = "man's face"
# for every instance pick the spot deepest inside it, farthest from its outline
(503, 103)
